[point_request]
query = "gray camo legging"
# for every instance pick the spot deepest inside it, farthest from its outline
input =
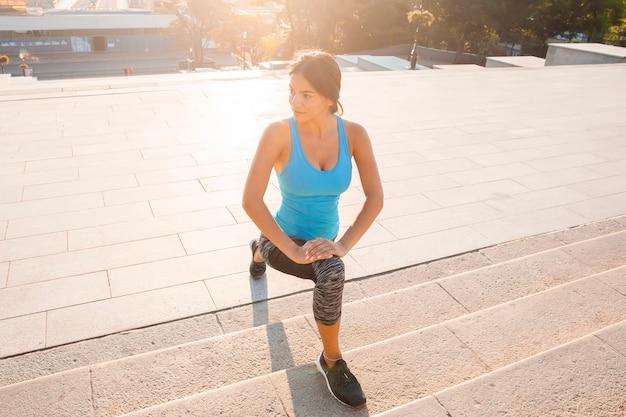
(327, 274)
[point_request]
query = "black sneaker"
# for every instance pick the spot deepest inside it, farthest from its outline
(257, 269)
(341, 383)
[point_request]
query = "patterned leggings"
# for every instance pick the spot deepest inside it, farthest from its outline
(327, 274)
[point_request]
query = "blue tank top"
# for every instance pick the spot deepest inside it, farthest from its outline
(310, 197)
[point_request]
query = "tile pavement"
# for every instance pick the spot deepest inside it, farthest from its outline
(120, 198)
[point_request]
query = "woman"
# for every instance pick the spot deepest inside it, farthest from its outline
(311, 153)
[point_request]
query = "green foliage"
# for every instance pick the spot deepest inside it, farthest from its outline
(194, 23)
(340, 26)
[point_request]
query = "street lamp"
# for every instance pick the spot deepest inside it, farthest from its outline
(244, 35)
(23, 65)
(413, 55)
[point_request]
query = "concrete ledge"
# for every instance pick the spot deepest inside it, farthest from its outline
(514, 61)
(460, 67)
(375, 63)
(584, 53)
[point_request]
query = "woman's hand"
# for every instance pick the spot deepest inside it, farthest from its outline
(317, 249)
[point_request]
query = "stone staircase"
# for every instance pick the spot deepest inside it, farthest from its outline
(534, 327)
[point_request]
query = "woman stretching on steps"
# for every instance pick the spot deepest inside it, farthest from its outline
(311, 153)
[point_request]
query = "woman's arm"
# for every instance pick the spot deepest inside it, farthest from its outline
(372, 187)
(363, 154)
(273, 145)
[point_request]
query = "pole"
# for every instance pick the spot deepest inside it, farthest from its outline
(244, 35)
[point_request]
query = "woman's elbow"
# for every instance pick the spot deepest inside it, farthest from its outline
(247, 203)
(376, 200)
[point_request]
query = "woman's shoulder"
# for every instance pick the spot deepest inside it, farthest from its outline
(354, 130)
(278, 128)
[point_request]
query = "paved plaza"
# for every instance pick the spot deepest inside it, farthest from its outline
(120, 197)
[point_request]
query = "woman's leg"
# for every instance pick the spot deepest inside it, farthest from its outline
(327, 299)
(329, 277)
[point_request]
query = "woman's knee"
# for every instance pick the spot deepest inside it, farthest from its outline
(330, 271)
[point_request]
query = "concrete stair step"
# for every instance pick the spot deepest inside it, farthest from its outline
(565, 250)
(411, 342)
(398, 370)
(582, 378)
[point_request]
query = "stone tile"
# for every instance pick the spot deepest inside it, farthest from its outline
(600, 208)
(459, 151)
(36, 192)
(527, 327)
(10, 195)
(553, 179)
(415, 250)
(108, 348)
(139, 229)
(178, 270)
(416, 307)
(231, 182)
(520, 225)
(424, 407)
(195, 202)
(238, 289)
(34, 208)
(609, 168)
(83, 160)
(563, 162)
(588, 231)
(431, 359)
(231, 235)
(507, 157)
(493, 173)
(32, 246)
(125, 144)
(85, 261)
(615, 279)
(439, 219)
(375, 235)
(537, 200)
(233, 400)
(603, 187)
(34, 298)
(602, 253)
(614, 336)
(121, 167)
(39, 153)
(60, 221)
(23, 334)
(152, 192)
(37, 178)
(201, 367)
(519, 248)
(386, 162)
(499, 283)
(194, 172)
(455, 196)
(85, 321)
(406, 205)
(4, 274)
(67, 394)
(583, 378)
(421, 185)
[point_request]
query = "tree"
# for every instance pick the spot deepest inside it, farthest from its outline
(245, 37)
(465, 24)
(195, 22)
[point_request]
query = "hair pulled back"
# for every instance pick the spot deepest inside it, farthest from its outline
(321, 70)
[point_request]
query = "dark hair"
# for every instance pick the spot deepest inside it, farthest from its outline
(321, 70)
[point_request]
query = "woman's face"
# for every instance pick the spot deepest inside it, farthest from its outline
(306, 103)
